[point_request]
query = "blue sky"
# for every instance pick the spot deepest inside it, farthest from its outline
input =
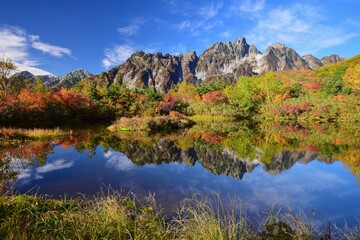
(61, 36)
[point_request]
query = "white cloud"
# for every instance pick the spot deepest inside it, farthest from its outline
(28, 173)
(211, 10)
(117, 55)
(15, 43)
(55, 51)
(119, 161)
(53, 166)
(247, 6)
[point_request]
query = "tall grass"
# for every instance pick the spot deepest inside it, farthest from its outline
(36, 133)
(112, 215)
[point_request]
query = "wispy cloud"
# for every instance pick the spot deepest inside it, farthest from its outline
(197, 27)
(117, 55)
(211, 10)
(301, 26)
(133, 28)
(53, 50)
(129, 30)
(247, 6)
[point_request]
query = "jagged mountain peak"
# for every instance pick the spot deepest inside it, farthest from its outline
(227, 60)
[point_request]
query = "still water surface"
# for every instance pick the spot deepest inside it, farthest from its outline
(301, 180)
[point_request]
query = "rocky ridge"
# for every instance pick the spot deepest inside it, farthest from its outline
(69, 79)
(228, 60)
(66, 80)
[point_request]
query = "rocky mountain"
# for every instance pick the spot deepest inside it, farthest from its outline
(156, 71)
(279, 57)
(228, 60)
(69, 79)
(312, 61)
(26, 75)
(331, 59)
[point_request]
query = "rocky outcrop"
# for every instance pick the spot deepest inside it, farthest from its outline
(331, 59)
(312, 61)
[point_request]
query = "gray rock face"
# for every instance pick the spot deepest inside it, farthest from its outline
(225, 59)
(157, 71)
(279, 57)
(331, 59)
(312, 61)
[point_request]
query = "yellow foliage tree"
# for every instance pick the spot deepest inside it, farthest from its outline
(352, 77)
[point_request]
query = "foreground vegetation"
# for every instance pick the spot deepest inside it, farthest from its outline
(327, 94)
(116, 216)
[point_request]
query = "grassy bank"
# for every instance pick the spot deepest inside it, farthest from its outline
(15, 136)
(116, 216)
(36, 133)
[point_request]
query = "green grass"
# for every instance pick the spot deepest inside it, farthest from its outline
(209, 118)
(112, 215)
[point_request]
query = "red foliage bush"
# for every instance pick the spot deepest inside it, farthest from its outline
(213, 98)
(313, 85)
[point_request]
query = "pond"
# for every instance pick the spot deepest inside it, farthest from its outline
(279, 166)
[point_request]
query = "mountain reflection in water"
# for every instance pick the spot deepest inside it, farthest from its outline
(180, 164)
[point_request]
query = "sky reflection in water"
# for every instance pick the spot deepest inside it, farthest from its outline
(329, 189)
